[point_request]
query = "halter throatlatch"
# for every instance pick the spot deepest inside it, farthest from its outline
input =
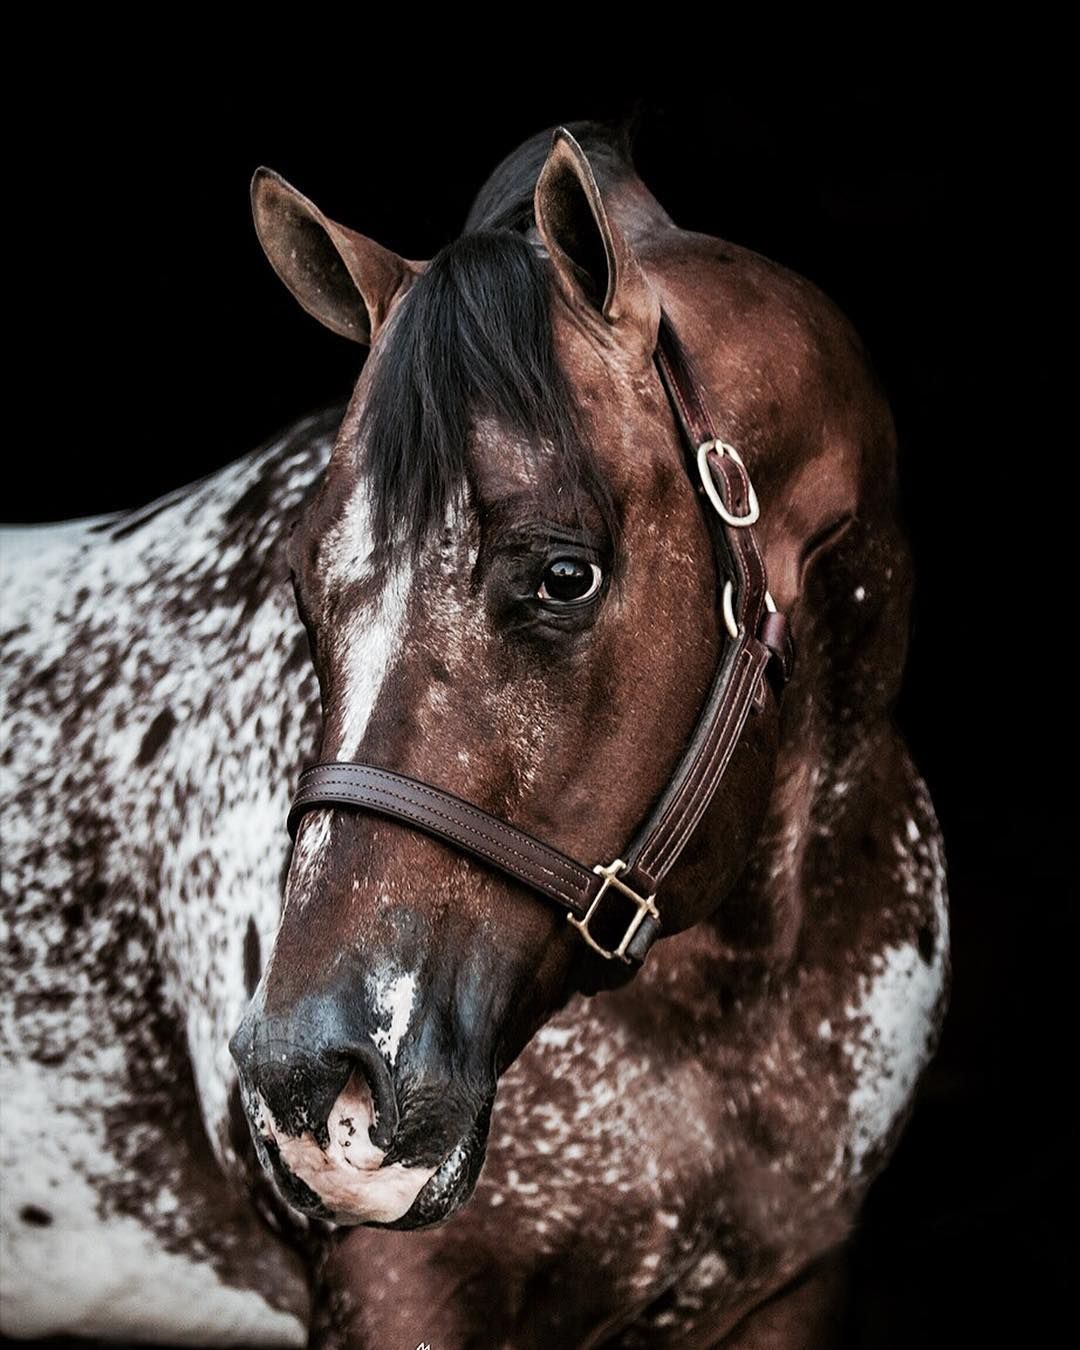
(613, 905)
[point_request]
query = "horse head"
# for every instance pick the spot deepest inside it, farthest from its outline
(509, 590)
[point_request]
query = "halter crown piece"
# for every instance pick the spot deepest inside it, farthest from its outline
(613, 905)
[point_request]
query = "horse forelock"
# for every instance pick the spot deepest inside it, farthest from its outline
(472, 340)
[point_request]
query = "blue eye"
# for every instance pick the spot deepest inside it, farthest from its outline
(569, 581)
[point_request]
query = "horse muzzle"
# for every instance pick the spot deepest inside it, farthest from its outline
(329, 1127)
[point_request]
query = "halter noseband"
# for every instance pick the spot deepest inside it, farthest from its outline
(760, 644)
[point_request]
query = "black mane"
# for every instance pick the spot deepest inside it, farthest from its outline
(473, 337)
(506, 198)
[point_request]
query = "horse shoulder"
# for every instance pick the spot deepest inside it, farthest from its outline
(156, 712)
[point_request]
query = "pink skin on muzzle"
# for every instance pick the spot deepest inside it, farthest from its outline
(346, 1175)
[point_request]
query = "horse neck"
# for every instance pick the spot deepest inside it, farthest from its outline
(635, 210)
(226, 706)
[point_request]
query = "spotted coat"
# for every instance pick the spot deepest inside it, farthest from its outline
(159, 702)
(662, 1157)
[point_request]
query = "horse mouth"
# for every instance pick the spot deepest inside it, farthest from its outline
(445, 1191)
(338, 1174)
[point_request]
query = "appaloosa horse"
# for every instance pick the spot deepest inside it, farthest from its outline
(508, 590)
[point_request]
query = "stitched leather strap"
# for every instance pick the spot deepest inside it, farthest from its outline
(614, 905)
(449, 817)
(737, 686)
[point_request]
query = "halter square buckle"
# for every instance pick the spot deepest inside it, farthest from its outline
(644, 906)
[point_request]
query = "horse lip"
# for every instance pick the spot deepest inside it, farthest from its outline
(445, 1191)
(452, 1183)
(452, 1158)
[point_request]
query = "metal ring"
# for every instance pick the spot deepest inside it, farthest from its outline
(729, 610)
(722, 448)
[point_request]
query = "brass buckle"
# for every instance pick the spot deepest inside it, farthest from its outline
(644, 906)
(722, 448)
(735, 629)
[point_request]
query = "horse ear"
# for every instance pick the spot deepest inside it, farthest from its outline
(590, 254)
(347, 281)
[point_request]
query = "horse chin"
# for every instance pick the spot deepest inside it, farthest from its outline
(444, 1191)
(447, 1191)
(452, 1184)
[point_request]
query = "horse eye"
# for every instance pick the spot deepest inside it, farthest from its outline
(569, 580)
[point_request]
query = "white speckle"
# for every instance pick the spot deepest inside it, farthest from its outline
(557, 1036)
(103, 1277)
(824, 1029)
(860, 593)
(898, 1012)
(709, 1271)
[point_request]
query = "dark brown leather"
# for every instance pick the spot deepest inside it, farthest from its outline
(468, 828)
(447, 817)
(775, 632)
(739, 689)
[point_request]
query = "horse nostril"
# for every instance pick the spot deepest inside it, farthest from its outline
(300, 1080)
(369, 1061)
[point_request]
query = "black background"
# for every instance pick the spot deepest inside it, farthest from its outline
(156, 345)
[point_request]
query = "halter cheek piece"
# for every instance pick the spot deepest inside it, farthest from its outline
(760, 653)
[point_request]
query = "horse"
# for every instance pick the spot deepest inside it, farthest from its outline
(369, 1088)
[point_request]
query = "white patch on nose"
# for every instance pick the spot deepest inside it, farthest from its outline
(393, 997)
(347, 1175)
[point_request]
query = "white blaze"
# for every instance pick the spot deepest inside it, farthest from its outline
(365, 647)
(363, 651)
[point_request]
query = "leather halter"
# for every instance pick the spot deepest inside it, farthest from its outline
(758, 654)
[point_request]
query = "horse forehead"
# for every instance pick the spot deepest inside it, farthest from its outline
(345, 541)
(392, 616)
(505, 460)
